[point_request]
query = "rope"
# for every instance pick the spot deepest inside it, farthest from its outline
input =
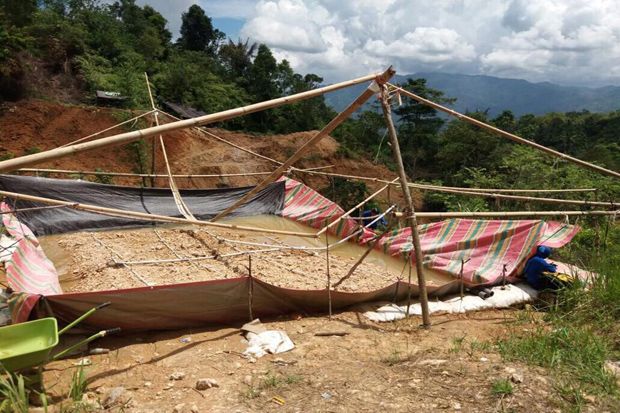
(113, 252)
(107, 129)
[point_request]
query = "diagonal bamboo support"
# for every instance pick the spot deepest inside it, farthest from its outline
(37, 158)
(505, 134)
(379, 81)
(387, 114)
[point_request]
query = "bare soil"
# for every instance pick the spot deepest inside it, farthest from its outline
(33, 125)
(387, 367)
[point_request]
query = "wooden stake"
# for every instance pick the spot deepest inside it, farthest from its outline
(385, 104)
(37, 158)
(505, 134)
(341, 117)
(329, 278)
(251, 287)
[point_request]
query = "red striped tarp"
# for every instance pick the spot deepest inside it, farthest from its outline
(492, 248)
(28, 269)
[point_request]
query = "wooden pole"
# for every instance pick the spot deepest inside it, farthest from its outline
(153, 144)
(34, 159)
(350, 211)
(385, 104)
(467, 192)
(329, 277)
(515, 214)
(250, 288)
(147, 217)
(134, 175)
(341, 117)
(505, 134)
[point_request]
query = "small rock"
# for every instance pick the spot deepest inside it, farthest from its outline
(247, 380)
(484, 359)
(177, 375)
(237, 365)
(178, 408)
(147, 384)
(326, 395)
(193, 409)
(114, 396)
(99, 350)
(185, 340)
(169, 385)
(204, 384)
(516, 378)
(456, 406)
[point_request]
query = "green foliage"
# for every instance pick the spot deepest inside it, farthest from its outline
(197, 32)
(13, 393)
(502, 387)
(577, 337)
(103, 178)
(32, 150)
(78, 384)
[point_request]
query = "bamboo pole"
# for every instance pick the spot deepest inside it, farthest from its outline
(387, 114)
(134, 175)
(341, 117)
(505, 134)
(515, 214)
(181, 205)
(466, 192)
(147, 217)
(350, 211)
(28, 160)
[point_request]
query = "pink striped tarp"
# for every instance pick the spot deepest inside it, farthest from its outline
(28, 269)
(489, 245)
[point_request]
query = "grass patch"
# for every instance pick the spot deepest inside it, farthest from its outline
(575, 339)
(271, 381)
(502, 387)
(13, 394)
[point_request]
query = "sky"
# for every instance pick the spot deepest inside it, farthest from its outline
(572, 42)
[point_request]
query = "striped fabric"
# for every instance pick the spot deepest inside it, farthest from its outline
(487, 244)
(306, 206)
(28, 269)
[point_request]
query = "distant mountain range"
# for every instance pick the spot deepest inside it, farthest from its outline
(498, 94)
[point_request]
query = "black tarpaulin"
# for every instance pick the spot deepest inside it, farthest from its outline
(203, 203)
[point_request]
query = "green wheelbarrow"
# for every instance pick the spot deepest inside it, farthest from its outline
(29, 344)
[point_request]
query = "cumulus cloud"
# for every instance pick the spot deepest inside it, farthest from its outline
(570, 41)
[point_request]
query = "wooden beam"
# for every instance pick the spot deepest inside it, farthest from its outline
(479, 193)
(371, 90)
(37, 158)
(411, 219)
(509, 214)
(505, 134)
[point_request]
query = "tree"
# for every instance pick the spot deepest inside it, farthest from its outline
(237, 58)
(19, 13)
(419, 125)
(197, 32)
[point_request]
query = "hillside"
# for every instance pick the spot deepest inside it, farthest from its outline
(33, 125)
(499, 94)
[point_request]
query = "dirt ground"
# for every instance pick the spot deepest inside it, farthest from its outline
(373, 367)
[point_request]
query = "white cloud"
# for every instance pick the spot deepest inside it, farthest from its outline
(570, 41)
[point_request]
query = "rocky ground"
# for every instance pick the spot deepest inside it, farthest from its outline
(371, 367)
